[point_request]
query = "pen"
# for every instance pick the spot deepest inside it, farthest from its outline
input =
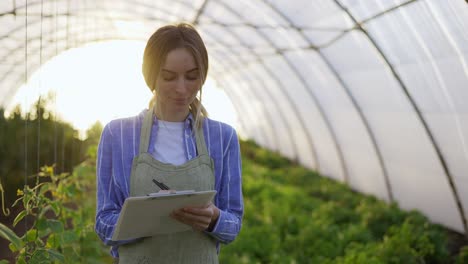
(161, 185)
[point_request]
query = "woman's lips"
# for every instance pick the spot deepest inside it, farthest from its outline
(179, 100)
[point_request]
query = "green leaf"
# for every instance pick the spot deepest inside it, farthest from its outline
(53, 241)
(9, 235)
(12, 247)
(21, 260)
(40, 256)
(4, 261)
(41, 224)
(19, 217)
(56, 255)
(55, 225)
(31, 235)
(44, 210)
(55, 207)
(69, 236)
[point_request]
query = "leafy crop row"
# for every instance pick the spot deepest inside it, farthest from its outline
(292, 215)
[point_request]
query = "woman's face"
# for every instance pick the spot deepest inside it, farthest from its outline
(178, 83)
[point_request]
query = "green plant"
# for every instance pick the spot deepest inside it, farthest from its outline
(292, 215)
(60, 220)
(463, 256)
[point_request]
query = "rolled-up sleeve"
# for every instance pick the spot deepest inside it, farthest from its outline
(230, 201)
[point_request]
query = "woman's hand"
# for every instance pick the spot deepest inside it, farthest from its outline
(199, 218)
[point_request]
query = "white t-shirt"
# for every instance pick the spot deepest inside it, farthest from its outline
(169, 146)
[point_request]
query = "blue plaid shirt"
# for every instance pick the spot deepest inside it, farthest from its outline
(118, 146)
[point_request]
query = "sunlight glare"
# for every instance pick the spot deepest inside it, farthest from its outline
(103, 81)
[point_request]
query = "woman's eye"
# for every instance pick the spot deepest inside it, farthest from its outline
(192, 77)
(168, 77)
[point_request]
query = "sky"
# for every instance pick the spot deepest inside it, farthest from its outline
(101, 82)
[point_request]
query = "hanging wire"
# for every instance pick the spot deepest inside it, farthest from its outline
(55, 92)
(39, 100)
(26, 115)
(67, 46)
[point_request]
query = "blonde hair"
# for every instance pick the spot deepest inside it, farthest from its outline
(166, 39)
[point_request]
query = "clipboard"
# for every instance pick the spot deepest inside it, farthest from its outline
(145, 216)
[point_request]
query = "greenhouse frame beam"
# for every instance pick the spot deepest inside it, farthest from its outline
(276, 80)
(311, 95)
(418, 112)
(51, 40)
(200, 11)
(195, 21)
(214, 36)
(245, 105)
(351, 97)
(270, 121)
(282, 117)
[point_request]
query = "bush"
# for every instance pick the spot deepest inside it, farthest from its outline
(60, 230)
(292, 215)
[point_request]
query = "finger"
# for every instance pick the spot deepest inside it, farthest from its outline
(191, 219)
(198, 211)
(196, 218)
(194, 224)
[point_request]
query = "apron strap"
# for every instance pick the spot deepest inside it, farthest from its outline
(200, 140)
(146, 131)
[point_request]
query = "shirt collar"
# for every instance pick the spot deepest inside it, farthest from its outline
(188, 122)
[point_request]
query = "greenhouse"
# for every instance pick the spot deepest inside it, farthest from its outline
(370, 94)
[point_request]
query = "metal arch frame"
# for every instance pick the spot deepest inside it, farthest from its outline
(51, 39)
(275, 144)
(21, 48)
(130, 2)
(281, 114)
(201, 9)
(239, 101)
(236, 106)
(268, 114)
(67, 14)
(240, 109)
(255, 95)
(352, 98)
(278, 84)
(417, 111)
(439, 153)
(293, 107)
(313, 98)
(33, 67)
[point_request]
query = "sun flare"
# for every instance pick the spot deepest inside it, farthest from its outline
(103, 81)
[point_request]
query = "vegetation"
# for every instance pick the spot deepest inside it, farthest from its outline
(292, 215)
(53, 220)
(31, 140)
(61, 220)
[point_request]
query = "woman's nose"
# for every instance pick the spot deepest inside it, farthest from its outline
(180, 85)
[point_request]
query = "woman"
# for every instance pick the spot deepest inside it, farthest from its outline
(175, 142)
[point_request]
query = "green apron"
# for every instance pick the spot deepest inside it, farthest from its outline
(197, 174)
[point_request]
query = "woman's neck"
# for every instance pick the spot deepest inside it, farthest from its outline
(171, 116)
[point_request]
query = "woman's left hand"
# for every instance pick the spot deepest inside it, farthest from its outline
(199, 218)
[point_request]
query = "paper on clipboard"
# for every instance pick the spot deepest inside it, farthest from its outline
(144, 216)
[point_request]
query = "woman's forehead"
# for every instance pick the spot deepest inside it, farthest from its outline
(179, 60)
